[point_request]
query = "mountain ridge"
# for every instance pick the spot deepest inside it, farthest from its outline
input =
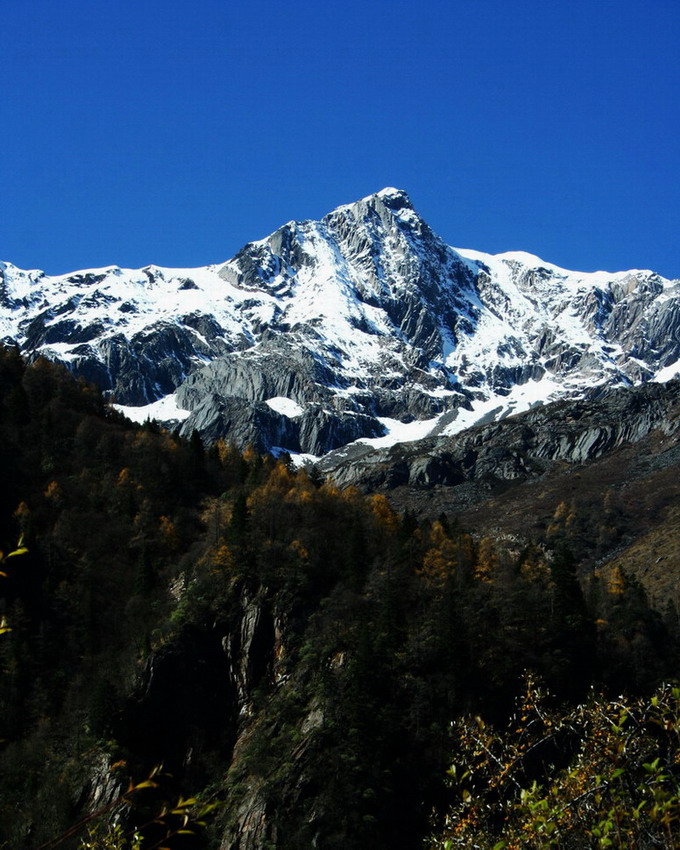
(363, 325)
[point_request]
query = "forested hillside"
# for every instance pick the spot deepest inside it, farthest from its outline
(302, 655)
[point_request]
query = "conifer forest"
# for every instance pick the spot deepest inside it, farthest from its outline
(202, 647)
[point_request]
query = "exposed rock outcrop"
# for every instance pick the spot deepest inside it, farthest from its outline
(518, 447)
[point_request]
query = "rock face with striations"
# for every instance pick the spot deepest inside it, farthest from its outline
(519, 447)
(362, 325)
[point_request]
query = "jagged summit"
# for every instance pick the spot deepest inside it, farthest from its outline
(388, 204)
(363, 325)
(389, 196)
(391, 192)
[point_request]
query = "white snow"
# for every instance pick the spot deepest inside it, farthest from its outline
(163, 410)
(531, 261)
(521, 397)
(298, 459)
(62, 351)
(285, 406)
(668, 373)
(400, 432)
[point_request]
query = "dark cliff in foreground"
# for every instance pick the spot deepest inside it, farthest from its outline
(294, 651)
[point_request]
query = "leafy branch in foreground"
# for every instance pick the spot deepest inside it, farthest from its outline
(20, 550)
(605, 774)
(186, 817)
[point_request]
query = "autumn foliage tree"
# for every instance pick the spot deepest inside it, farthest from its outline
(603, 774)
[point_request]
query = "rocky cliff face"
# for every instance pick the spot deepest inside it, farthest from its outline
(362, 325)
(521, 447)
(194, 704)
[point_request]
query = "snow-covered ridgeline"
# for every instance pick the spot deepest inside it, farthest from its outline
(366, 319)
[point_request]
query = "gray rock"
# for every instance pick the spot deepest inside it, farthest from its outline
(518, 447)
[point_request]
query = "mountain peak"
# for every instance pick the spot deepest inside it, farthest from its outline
(393, 198)
(391, 192)
(365, 320)
(389, 197)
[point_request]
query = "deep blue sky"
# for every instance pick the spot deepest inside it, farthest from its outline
(168, 132)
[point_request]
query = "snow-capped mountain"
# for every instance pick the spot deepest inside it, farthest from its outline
(362, 325)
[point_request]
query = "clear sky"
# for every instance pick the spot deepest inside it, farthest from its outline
(172, 132)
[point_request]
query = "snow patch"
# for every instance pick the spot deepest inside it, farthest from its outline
(667, 374)
(60, 351)
(163, 410)
(285, 406)
(400, 432)
(299, 460)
